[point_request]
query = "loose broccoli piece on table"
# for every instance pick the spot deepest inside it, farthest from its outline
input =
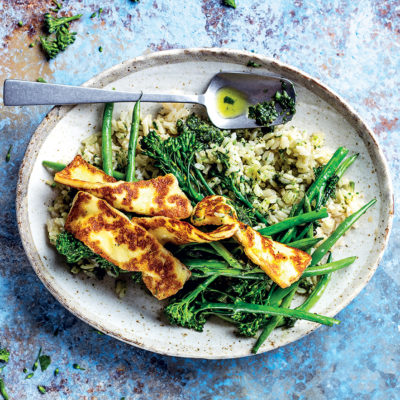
(53, 24)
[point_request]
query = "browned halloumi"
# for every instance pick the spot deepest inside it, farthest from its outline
(111, 235)
(168, 230)
(158, 196)
(282, 263)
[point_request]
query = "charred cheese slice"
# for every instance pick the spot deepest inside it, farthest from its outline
(282, 263)
(168, 230)
(110, 234)
(159, 196)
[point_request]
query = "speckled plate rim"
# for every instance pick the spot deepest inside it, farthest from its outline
(170, 56)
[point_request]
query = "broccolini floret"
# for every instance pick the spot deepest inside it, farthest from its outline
(50, 47)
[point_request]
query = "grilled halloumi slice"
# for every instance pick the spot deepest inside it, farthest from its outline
(159, 196)
(282, 263)
(168, 230)
(111, 235)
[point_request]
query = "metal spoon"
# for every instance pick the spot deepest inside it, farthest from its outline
(255, 88)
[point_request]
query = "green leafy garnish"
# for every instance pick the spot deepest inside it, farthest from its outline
(8, 157)
(77, 366)
(41, 389)
(4, 355)
(253, 64)
(44, 361)
(56, 372)
(3, 390)
(41, 80)
(230, 3)
(229, 100)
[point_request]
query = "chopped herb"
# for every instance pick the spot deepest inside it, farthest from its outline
(29, 376)
(100, 49)
(57, 4)
(264, 113)
(20, 23)
(229, 100)
(253, 64)
(33, 44)
(56, 372)
(41, 389)
(122, 398)
(36, 363)
(3, 390)
(230, 3)
(41, 80)
(77, 366)
(93, 15)
(100, 10)
(44, 361)
(4, 353)
(155, 126)
(25, 370)
(286, 102)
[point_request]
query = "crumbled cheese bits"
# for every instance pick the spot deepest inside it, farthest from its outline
(282, 263)
(111, 235)
(158, 196)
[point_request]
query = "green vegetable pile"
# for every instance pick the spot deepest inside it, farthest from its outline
(224, 283)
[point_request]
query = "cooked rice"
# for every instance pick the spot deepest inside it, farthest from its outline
(276, 168)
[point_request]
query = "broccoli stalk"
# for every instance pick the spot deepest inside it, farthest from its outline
(53, 24)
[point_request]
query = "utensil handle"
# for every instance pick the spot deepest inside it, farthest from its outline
(24, 93)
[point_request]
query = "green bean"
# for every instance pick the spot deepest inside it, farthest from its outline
(59, 167)
(329, 267)
(273, 322)
(106, 139)
(294, 221)
(304, 244)
(320, 252)
(345, 165)
(133, 138)
(264, 309)
(316, 294)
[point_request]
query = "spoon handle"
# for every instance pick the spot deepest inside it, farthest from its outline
(24, 93)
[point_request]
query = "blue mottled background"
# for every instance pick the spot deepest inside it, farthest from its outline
(354, 47)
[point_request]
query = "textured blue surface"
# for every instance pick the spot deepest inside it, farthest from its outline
(353, 46)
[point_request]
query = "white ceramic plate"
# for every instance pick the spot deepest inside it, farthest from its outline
(136, 318)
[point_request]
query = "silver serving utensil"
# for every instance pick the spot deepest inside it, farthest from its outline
(255, 88)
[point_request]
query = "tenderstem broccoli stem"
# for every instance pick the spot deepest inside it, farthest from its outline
(226, 255)
(264, 309)
(106, 139)
(320, 252)
(133, 138)
(60, 166)
(294, 221)
(273, 322)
